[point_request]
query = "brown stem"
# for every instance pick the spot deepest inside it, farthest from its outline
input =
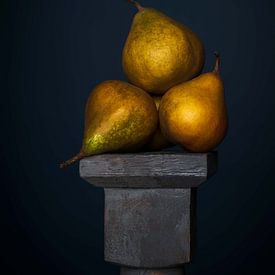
(70, 161)
(136, 4)
(217, 67)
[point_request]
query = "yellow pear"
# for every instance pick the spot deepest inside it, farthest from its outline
(118, 117)
(193, 114)
(157, 141)
(159, 52)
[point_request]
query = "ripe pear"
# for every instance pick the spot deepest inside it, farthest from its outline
(193, 114)
(118, 117)
(157, 141)
(159, 52)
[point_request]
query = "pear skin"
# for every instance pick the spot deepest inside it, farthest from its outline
(118, 117)
(157, 141)
(159, 52)
(193, 114)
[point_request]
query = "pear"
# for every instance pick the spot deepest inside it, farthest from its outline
(159, 52)
(157, 141)
(118, 117)
(193, 114)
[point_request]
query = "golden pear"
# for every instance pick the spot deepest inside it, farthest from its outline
(157, 141)
(159, 52)
(118, 117)
(193, 114)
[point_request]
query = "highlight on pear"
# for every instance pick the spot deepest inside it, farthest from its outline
(193, 114)
(118, 117)
(160, 52)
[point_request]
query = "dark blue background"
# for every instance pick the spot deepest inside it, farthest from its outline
(53, 53)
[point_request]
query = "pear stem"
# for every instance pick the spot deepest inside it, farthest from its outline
(70, 161)
(217, 67)
(136, 4)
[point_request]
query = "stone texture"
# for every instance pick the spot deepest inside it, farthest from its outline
(148, 170)
(147, 228)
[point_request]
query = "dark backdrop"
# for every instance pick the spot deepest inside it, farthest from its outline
(53, 53)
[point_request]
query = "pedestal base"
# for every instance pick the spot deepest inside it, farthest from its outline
(170, 271)
(148, 228)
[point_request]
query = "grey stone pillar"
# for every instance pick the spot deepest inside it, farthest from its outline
(149, 207)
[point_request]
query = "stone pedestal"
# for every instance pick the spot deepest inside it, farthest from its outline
(150, 201)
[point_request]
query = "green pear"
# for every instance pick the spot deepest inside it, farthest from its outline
(159, 52)
(118, 117)
(157, 141)
(193, 114)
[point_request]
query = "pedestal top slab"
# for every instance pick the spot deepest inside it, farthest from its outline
(148, 170)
